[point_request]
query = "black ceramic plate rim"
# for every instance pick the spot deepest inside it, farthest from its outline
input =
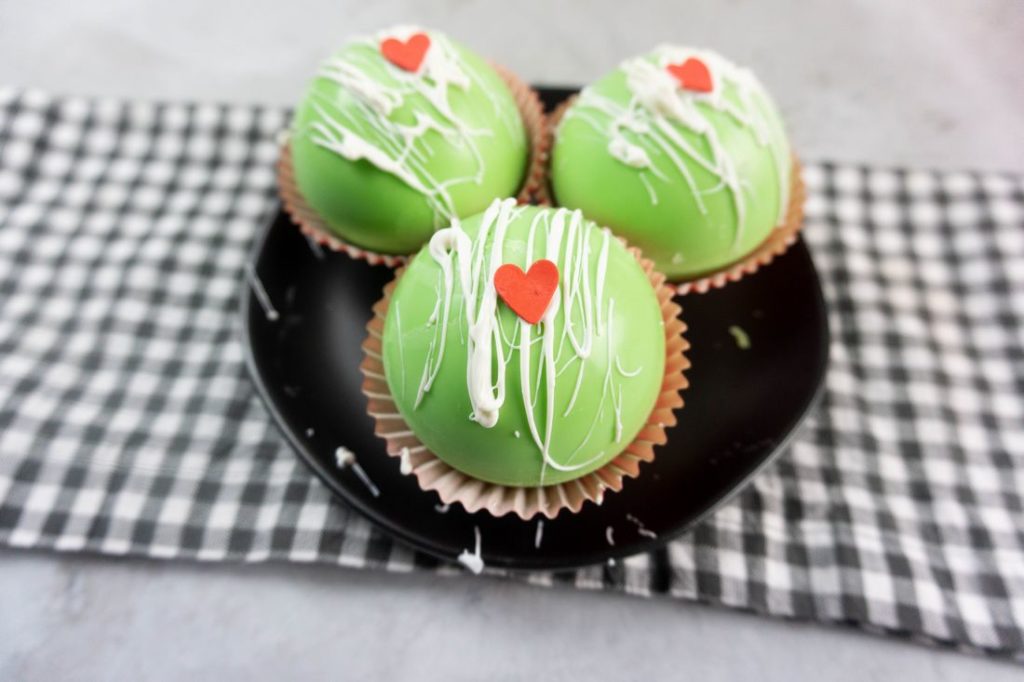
(421, 543)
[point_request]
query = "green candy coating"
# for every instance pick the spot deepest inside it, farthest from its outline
(373, 208)
(684, 241)
(612, 403)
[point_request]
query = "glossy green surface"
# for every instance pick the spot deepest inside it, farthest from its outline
(498, 454)
(683, 241)
(374, 209)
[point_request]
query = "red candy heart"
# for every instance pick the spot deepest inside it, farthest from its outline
(527, 293)
(693, 74)
(406, 55)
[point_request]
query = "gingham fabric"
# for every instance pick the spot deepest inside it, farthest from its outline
(128, 425)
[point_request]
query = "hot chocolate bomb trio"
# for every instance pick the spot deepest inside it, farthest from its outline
(528, 356)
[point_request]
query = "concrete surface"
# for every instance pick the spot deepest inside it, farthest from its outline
(924, 84)
(87, 618)
(929, 83)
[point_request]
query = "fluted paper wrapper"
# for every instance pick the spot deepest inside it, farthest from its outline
(453, 486)
(780, 239)
(535, 184)
(534, 187)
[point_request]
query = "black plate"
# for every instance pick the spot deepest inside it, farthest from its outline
(741, 410)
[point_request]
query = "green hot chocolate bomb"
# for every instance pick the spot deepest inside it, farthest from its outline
(401, 133)
(680, 152)
(510, 402)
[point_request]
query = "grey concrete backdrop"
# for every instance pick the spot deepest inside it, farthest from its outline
(937, 83)
(927, 84)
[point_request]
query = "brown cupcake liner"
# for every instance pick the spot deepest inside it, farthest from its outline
(534, 184)
(780, 239)
(453, 486)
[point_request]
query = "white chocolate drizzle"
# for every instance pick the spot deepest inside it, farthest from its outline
(652, 194)
(403, 150)
(401, 348)
(630, 373)
(641, 529)
(648, 127)
(317, 250)
(261, 293)
(472, 560)
(343, 457)
(574, 320)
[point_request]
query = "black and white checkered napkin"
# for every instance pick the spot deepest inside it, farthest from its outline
(128, 426)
